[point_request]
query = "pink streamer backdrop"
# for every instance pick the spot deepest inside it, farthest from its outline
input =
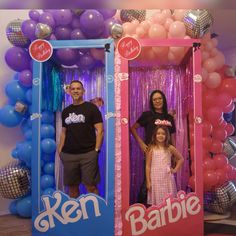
(176, 83)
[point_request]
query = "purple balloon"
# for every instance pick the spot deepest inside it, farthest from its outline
(75, 22)
(34, 15)
(92, 23)
(25, 78)
(67, 56)
(107, 13)
(47, 18)
(62, 17)
(62, 32)
(28, 29)
(17, 59)
(86, 61)
(77, 34)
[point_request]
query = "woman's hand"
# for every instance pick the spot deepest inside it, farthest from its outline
(173, 171)
(144, 147)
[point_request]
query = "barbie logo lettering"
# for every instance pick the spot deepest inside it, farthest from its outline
(171, 211)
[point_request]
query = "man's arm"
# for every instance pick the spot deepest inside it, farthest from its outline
(99, 135)
(62, 140)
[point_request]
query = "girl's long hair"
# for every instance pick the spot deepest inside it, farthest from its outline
(154, 141)
(164, 108)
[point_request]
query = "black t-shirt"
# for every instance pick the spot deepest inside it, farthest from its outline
(149, 120)
(79, 122)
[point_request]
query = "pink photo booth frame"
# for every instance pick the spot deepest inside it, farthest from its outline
(182, 215)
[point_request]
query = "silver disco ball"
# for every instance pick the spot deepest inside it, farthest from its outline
(15, 181)
(197, 22)
(15, 35)
(130, 15)
(221, 199)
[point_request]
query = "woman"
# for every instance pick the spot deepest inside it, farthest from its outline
(158, 114)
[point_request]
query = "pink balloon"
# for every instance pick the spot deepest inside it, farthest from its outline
(222, 176)
(228, 86)
(210, 65)
(191, 182)
(208, 46)
(177, 29)
(177, 51)
(206, 142)
(167, 23)
(229, 108)
(217, 146)
(140, 32)
(205, 55)
(135, 23)
(210, 179)
(206, 128)
(220, 60)
(208, 164)
(229, 129)
(157, 31)
(166, 13)
(219, 133)
(128, 28)
(220, 161)
(214, 113)
(204, 74)
(160, 51)
(145, 24)
(213, 80)
(159, 18)
(224, 100)
(209, 98)
(179, 14)
(214, 42)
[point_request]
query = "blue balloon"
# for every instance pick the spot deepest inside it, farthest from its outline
(24, 207)
(47, 181)
(28, 134)
(24, 125)
(28, 96)
(48, 191)
(14, 153)
(47, 117)
(48, 145)
(48, 157)
(49, 168)
(25, 152)
(15, 91)
(12, 207)
(47, 131)
(9, 117)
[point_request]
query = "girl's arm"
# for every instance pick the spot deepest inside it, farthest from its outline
(179, 158)
(148, 169)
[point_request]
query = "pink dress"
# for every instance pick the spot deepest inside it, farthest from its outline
(162, 181)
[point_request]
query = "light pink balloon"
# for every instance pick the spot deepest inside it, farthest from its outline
(220, 60)
(214, 42)
(177, 29)
(157, 31)
(140, 32)
(179, 14)
(177, 51)
(213, 80)
(224, 100)
(205, 55)
(204, 74)
(160, 51)
(135, 22)
(128, 28)
(214, 52)
(166, 13)
(158, 18)
(229, 129)
(210, 64)
(167, 23)
(229, 108)
(145, 24)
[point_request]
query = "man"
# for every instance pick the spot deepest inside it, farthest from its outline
(80, 142)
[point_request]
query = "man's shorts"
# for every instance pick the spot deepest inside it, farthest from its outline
(81, 168)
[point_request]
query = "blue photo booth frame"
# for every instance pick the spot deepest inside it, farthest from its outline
(57, 214)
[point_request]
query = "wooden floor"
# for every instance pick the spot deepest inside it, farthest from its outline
(11, 225)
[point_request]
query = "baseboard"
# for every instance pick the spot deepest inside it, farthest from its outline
(6, 212)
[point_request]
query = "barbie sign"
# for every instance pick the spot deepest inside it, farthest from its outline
(172, 210)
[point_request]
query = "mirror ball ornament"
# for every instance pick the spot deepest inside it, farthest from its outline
(116, 31)
(14, 180)
(221, 199)
(130, 15)
(230, 147)
(42, 31)
(197, 22)
(78, 12)
(15, 35)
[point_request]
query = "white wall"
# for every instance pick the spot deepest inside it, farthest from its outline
(8, 136)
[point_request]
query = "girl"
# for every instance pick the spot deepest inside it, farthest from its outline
(159, 173)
